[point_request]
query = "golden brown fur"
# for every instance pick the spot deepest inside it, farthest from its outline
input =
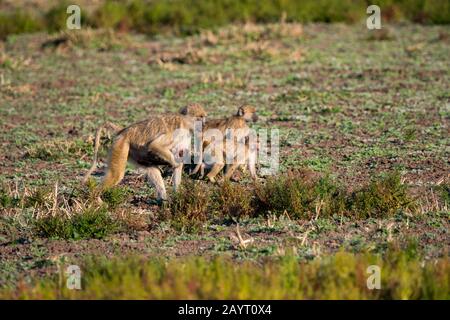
(250, 153)
(150, 143)
(237, 122)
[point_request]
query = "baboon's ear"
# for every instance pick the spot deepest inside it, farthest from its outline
(240, 112)
(184, 110)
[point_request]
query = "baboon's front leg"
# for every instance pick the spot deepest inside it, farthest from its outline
(252, 169)
(252, 163)
(156, 180)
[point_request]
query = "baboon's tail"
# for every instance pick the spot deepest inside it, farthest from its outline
(108, 125)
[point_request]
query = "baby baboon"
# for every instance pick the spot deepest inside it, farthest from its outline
(251, 147)
(150, 143)
(237, 126)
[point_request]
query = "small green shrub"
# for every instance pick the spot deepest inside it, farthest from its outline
(303, 197)
(7, 200)
(234, 200)
(384, 196)
(18, 22)
(189, 206)
(115, 196)
(38, 197)
(332, 198)
(444, 191)
(43, 153)
(56, 17)
(94, 223)
(110, 15)
(300, 194)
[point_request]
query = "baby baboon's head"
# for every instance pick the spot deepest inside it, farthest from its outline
(248, 113)
(194, 110)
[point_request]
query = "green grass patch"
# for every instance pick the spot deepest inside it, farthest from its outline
(382, 197)
(7, 200)
(234, 200)
(58, 149)
(444, 191)
(190, 16)
(189, 207)
(301, 194)
(116, 196)
(19, 21)
(92, 223)
(340, 276)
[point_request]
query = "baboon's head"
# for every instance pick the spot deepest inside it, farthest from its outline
(194, 110)
(248, 113)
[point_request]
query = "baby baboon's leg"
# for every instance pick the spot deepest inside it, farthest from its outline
(230, 170)
(219, 163)
(117, 162)
(217, 167)
(197, 168)
(156, 180)
(237, 161)
(199, 165)
(202, 170)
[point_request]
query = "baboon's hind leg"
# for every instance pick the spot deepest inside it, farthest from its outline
(163, 152)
